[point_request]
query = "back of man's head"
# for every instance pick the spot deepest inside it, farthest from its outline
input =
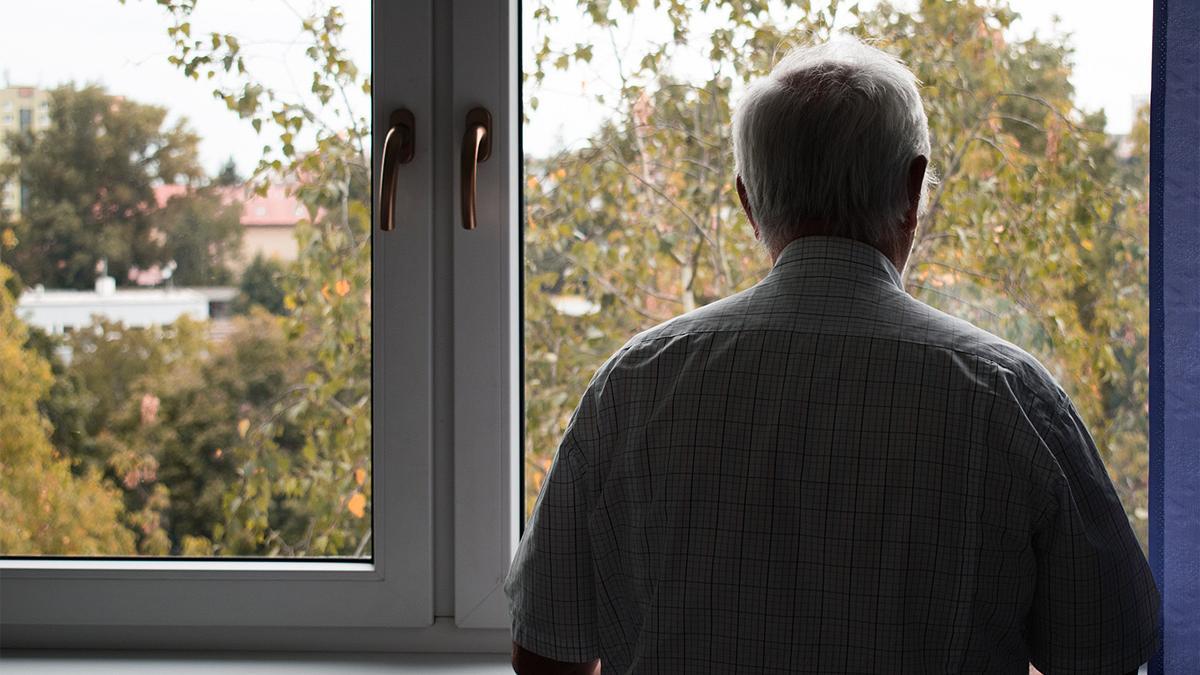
(825, 143)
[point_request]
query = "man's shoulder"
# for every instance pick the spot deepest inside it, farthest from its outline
(727, 314)
(900, 318)
(928, 325)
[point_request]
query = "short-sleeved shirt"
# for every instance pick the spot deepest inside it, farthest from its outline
(823, 474)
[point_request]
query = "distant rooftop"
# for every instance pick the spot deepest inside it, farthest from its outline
(120, 296)
(58, 311)
(275, 209)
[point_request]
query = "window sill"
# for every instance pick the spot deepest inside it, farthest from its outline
(37, 662)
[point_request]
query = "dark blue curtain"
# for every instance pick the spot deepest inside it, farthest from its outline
(1175, 332)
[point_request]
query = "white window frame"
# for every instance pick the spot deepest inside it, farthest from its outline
(445, 408)
(487, 319)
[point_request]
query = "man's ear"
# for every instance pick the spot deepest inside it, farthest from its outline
(745, 200)
(916, 180)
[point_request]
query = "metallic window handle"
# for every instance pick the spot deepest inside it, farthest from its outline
(476, 148)
(397, 149)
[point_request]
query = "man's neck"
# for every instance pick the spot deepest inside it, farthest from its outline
(898, 258)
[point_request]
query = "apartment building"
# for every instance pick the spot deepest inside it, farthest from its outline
(21, 109)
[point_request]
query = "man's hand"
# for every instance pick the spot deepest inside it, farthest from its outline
(525, 662)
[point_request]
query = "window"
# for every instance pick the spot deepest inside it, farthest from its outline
(1038, 231)
(615, 212)
(288, 500)
(181, 433)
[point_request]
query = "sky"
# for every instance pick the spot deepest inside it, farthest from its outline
(124, 47)
(1112, 40)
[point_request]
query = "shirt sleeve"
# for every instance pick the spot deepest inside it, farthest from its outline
(550, 585)
(1096, 607)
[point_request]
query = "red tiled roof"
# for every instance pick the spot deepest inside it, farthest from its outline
(277, 208)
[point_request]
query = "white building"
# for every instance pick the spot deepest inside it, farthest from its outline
(59, 312)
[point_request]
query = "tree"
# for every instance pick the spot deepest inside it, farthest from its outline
(193, 420)
(228, 176)
(315, 499)
(202, 233)
(88, 180)
(108, 400)
(255, 444)
(1035, 231)
(47, 509)
(261, 285)
(164, 414)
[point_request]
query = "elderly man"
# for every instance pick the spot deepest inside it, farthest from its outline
(822, 474)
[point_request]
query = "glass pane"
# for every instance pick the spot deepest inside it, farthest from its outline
(185, 313)
(1037, 233)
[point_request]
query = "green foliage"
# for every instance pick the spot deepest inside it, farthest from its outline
(261, 285)
(48, 510)
(228, 176)
(259, 444)
(313, 499)
(88, 180)
(1036, 230)
(201, 233)
(164, 414)
(105, 405)
(198, 434)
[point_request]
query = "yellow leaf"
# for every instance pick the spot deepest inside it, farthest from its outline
(289, 302)
(243, 427)
(357, 505)
(1087, 244)
(342, 287)
(360, 475)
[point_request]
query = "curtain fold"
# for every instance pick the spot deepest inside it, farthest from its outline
(1175, 332)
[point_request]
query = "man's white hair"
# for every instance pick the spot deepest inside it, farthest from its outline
(828, 138)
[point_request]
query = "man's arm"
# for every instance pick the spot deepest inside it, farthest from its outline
(525, 662)
(551, 583)
(1095, 605)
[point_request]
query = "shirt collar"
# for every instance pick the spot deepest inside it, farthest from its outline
(836, 257)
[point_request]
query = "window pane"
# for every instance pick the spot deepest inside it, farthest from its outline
(185, 314)
(1037, 231)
